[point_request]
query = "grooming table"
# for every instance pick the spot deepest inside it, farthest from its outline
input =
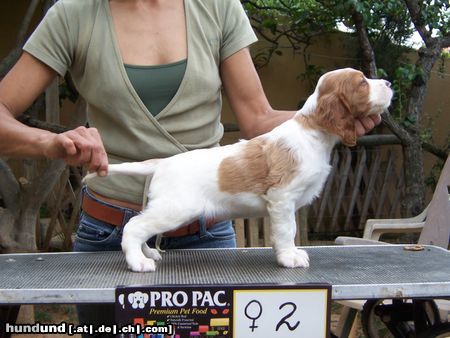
(355, 272)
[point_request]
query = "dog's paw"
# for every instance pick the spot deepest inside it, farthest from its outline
(141, 265)
(151, 253)
(293, 258)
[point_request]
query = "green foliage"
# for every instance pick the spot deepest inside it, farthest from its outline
(431, 180)
(436, 15)
(66, 92)
(386, 20)
(44, 211)
(311, 75)
(403, 78)
(42, 317)
(55, 313)
(298, 21)
(388, 23)
(381, 73)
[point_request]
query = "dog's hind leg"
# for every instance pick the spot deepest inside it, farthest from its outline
(152, 221)
(135, 234)
(283, 228)
(151, 253)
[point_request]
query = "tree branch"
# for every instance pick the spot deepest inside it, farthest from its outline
(438, 152)
(32, 122)
(369, 63)
(416, 17)
(33, 195)
(49, 175)
(25, 25)
(259, 7)
(445, 42)
(9, 187)
(396, 128)
(7, 243)
(9, 60)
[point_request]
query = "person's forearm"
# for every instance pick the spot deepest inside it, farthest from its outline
(271, 118)
(80, 146)
(266, 121)
(19, 140)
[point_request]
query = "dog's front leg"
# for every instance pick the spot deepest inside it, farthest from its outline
(283, 229)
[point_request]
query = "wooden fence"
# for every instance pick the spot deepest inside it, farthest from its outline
(60, 214)
(365, 182)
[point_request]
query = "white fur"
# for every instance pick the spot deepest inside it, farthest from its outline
(185, 187)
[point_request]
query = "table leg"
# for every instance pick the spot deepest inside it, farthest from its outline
(8, 315)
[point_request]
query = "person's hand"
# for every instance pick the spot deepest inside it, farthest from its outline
(366, 124)
(80, 146)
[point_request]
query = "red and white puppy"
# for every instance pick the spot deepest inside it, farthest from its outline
(273, 174)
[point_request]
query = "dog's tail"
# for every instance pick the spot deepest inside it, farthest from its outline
(144, 168)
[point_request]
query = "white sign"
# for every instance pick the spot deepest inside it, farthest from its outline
(281, 313)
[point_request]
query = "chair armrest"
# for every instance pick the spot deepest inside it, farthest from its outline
(376, 227)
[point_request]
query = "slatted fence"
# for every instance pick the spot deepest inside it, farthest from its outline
(365, 182)
(56, 227)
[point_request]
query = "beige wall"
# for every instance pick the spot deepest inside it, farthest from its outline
(437, 104)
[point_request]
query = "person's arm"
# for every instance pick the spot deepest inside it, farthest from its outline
(248, 101)
(254, 114)
(18, 89)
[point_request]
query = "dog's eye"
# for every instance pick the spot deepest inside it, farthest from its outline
(363, 83)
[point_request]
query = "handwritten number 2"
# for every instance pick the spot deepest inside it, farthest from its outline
(284, 321)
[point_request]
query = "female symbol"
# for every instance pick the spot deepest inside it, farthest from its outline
(253, 312)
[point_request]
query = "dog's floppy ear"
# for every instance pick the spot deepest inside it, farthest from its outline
(145, 297)
(333, 114)
(131, 298)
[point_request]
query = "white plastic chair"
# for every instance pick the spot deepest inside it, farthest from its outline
(434, 226)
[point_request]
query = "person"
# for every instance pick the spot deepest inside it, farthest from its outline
(151, 72)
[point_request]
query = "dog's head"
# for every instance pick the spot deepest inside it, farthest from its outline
(344, 95)
(138, 299)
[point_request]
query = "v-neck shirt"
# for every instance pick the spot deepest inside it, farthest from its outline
(78, 36)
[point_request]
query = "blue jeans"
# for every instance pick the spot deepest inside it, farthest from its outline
(95, 235)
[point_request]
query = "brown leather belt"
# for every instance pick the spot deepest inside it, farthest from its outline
(115, 217)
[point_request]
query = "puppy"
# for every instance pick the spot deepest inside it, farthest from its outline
(273, 174)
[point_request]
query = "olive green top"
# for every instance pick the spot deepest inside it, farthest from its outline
(156, 85)
(78, 36)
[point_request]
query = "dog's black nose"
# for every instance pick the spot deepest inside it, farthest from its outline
(388, 84)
